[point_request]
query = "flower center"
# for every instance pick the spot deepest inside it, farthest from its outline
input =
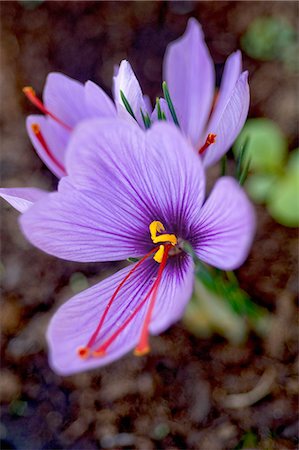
(158, 227)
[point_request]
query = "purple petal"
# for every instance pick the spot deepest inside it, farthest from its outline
(231, 74)
(147, 104)
(226, 226)
(189, 73)
(22, 198)
(56, 138)
(98, 103)
(174, 293)
(65, 98)
(121, 179)
(157, 172)
(74, 323)
(126, 81)
(83, 226)
(231, 121)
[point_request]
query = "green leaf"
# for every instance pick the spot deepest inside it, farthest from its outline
(223, 166)
(268, 38)
(169, 103)
(160, 113)
(293, 162)
(127, 104)
(258, 186)
(245, 172)
(267, 146)
(283, 204)
(146, 119)
(208, 312)
(78, 282)
(133, 260)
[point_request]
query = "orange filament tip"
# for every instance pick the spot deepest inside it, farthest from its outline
(99, 353)
(31, 95)
(141, 351)
(28, 90)
(35, 128)
(211, 139)
(83, 352)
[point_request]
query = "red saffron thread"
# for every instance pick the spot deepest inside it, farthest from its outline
(153, 290)
(143, 345)
(31, 95)
(83, 352)
(36, 130)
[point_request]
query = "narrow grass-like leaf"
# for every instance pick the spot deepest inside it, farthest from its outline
(127, 104)
(169, 103)
(159, 111)
(241, 159)
(223, 166)
(146, 119)
(244, 173)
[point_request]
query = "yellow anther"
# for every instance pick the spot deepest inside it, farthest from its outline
(141, 351)
(156, 227)
(159, 254)
(166, 238)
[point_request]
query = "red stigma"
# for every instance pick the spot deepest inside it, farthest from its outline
(83, 352)
(102, 349)
(39, 136)
(211, 139)
(143, 345)
(31, 95)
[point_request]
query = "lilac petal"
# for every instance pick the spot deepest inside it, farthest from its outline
(56, 138)
(158, 171)
(22, 198)
(98, 103)
(81, 226)
(126, 81)
(226, 226)
(147, 104)
(74, 323)
(65, 98)
(189, 73)
(174, 293)
(231, 74)
(230, 123)
(121, 179)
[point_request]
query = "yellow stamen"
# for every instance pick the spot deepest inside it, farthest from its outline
(156, 227)
(159, 254)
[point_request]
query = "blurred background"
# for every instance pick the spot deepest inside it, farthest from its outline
(201, 387)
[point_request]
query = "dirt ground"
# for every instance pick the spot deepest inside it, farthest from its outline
(188, 393)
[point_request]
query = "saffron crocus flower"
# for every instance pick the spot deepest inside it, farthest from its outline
(131, 193)
(190, 76)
